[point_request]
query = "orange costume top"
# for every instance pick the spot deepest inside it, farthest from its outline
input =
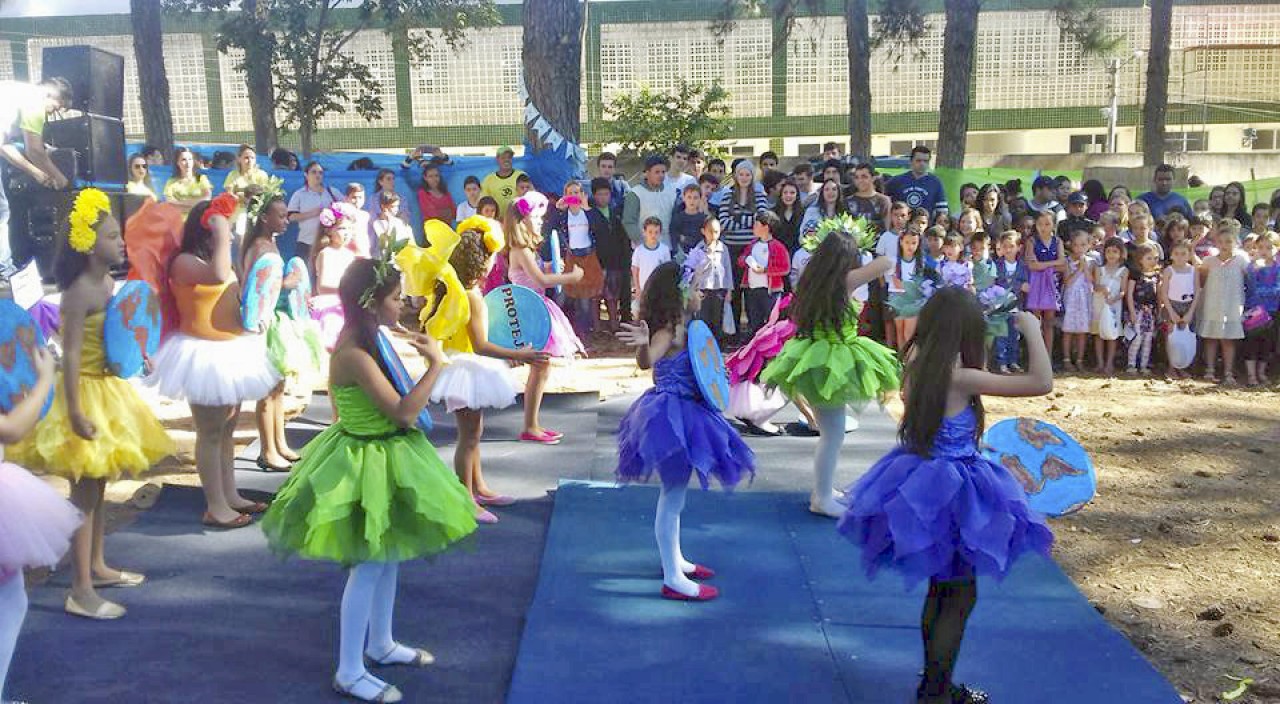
(208, 311)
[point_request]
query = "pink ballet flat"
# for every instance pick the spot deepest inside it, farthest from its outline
(543, 438)
(700, 573)
(497, 500)
(706, 592)
(553, 433)
(485, 517)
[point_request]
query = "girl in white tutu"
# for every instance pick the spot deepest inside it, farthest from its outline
(35, 522)
(448, 274)
(210, 361)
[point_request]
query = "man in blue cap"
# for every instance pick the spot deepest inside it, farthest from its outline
(1042, 198)
(1162, 200)
(1077, 204)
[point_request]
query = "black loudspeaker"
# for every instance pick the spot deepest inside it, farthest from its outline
(96, 77)
(39, 220)
(19, 182)
(98, 143)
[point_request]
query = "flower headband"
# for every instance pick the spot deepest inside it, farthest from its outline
(225, 205)
(383, 266)
(260, 196)
(89, 207)
(856, 228)
(489, 229)
(335, 214)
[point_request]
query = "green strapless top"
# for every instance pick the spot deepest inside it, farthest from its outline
(847, 333)
(358, 415)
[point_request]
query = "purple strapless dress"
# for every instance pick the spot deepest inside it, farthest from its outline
(672, 430)
(947, 516)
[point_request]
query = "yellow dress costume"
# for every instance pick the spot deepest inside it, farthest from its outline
(469, 380)
(129, 438)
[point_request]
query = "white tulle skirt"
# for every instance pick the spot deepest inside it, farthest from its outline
(751, 402)
(36, 523)
(213, 372)
(474, 381)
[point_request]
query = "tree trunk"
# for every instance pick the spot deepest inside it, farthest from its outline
(552, 64)
(858, 35)
(306, 131)
(1153, 110)
(957, 72)
(153, 81)
(259, 56)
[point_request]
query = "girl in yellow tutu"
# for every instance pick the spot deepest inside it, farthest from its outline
(98, 428)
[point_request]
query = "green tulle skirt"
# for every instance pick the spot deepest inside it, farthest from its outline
(294, 346)
(353, 499)
(825, 371)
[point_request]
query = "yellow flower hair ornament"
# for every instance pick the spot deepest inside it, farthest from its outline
(423, 267)
(490, 229)
(89, 207)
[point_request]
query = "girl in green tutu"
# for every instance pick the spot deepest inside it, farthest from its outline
(827, 363)
(370, 491)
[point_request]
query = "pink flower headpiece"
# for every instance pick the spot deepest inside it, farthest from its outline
(336, 213)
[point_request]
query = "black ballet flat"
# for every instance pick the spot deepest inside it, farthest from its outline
(266, 467)
(958, 694)
(800, 430)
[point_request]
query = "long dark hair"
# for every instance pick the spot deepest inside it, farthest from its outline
(360, 323)
(951, 326)
(196, 238)
(660, 303)
(444, 189)
(822, 298)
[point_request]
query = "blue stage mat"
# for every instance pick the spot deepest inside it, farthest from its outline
(221, 619)
(796, 620)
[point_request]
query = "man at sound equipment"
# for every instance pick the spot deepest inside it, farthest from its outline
(24, 108)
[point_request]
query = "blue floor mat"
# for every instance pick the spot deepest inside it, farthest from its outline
(796, 621)
(221, 619)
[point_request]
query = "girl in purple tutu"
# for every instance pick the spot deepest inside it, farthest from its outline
(672, 430)
(36, 523)
(1044, 260)
(934, 508)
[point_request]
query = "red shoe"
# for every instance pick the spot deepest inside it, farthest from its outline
(700, 573)
(553, 433)
(706, 592)
(543, 438)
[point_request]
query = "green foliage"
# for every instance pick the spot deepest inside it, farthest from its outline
(1084, 23)
(305, 39)
(649, 121)
(785, 10)
(899, 28)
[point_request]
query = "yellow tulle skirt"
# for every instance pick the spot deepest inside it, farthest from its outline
(128, 441)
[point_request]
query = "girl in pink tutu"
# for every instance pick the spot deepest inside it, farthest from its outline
(36, 523)
(750, 402)
(523, 240)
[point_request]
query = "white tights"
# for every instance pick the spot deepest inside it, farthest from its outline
(13, 609)
(368, 605)
(666, 529)
(831, 424)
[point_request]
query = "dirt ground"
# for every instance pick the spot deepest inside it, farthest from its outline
(1180, 550)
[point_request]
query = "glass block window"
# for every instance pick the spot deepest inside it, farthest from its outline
(915, 83)
(473, 86)
(370, 47)
(183, 62)
(818, 67)
(658, 55)
(6, 62)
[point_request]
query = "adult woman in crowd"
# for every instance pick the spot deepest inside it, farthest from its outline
(790, 212)
(187, 186)
(434, 201)
(1233, 204)
(305, 206)
(995, 216)
(245, 174)
(140, 177)
(737, 215)
(829, 204)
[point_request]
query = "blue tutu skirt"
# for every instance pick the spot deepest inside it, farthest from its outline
(946, 517)
(672, 431)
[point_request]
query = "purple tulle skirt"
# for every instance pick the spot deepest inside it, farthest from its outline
(36, 523)
(946, 517)
(670, 430)
(1042, 290)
